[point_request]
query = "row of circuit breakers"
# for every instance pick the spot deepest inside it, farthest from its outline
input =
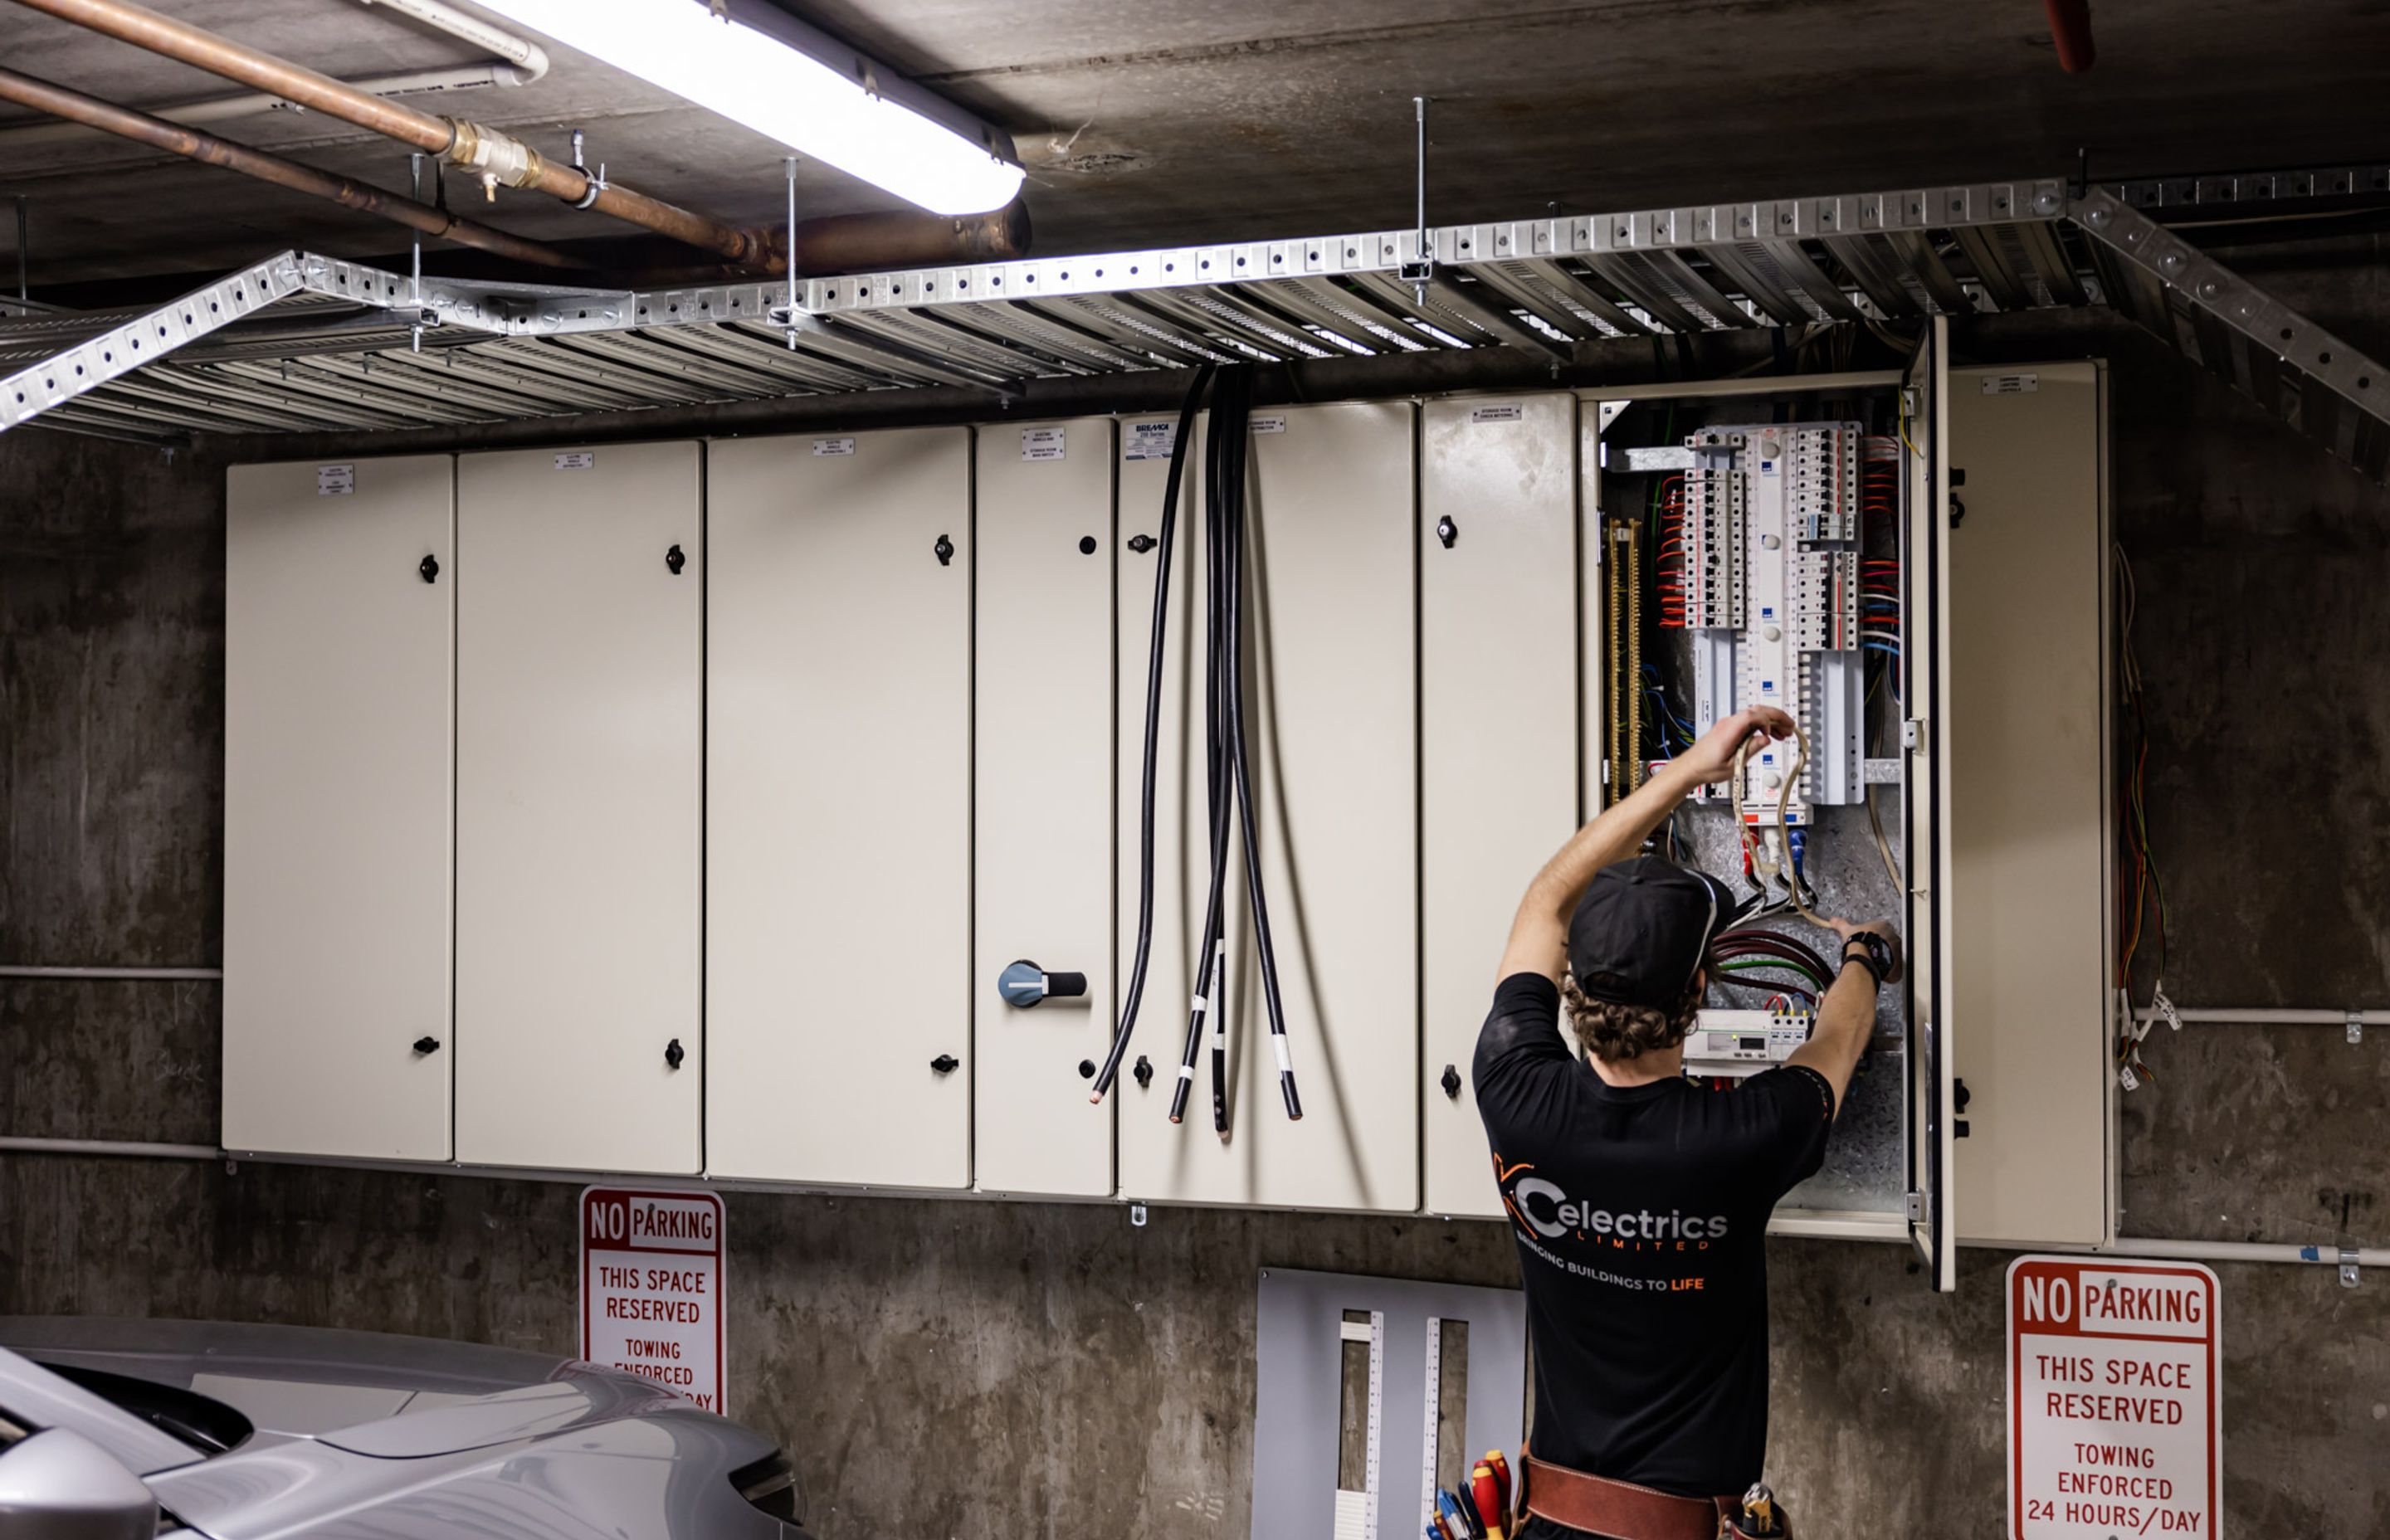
(1772, 592)
(1766, 571)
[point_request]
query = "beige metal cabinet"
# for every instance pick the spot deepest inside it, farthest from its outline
(1042, 828)
(1332, 692)
(1498, 728)
(838, 981)
(2029, 949)
(338, 591)
(581, 576)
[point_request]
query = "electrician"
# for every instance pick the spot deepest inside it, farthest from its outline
(1638, 1199)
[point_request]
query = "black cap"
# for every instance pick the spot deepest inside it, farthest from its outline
(1641, 929)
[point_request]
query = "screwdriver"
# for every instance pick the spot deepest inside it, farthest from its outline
(1487, 1492)
(1456, 1516)
(1501, 1468)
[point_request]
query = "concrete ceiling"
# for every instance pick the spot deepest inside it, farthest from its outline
(1148, 123)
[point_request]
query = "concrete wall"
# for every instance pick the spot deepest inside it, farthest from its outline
(948, 1368)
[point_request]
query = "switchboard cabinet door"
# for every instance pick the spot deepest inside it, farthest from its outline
(1042, 828)
(1498, 729)
(1925, 659)
(339, 584)
(838, 816)
(1331, 691)
(2029, 958)
(579, 715)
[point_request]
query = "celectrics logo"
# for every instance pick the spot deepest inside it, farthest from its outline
(1544, 1207)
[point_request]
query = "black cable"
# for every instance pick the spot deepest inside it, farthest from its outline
(1231, 412)
(1217, 800)
(1241, 762)
(1110, 1070)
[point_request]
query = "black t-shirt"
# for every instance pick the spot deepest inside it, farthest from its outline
(1640, 1215)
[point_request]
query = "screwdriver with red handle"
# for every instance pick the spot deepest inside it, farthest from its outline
(1501, 1468)
(1486, 1492)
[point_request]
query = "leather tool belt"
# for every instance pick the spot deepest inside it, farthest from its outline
(1621, 1510)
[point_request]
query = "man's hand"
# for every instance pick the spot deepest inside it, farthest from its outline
(1711, 758)
(1847, 930)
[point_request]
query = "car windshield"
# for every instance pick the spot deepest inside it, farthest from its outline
(205, 1424)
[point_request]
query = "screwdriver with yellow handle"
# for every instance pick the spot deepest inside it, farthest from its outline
(1501, 1468)
(1486, 1491)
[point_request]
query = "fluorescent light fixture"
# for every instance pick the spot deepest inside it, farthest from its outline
(758, 66)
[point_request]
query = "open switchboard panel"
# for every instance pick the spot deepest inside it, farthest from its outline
(1757, 542)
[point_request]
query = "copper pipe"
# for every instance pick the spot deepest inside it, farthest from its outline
(61, 102)
(2070, 29)
(859, 243)
(305, 87)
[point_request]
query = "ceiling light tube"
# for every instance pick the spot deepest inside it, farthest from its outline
(759, 67)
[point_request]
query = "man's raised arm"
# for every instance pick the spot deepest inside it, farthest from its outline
(1539, 933)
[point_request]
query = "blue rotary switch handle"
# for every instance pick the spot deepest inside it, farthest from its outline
(1023, 984)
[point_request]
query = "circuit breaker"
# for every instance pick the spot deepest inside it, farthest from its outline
(1761, 560)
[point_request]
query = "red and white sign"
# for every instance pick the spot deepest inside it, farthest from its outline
(2115, 1393)
(651, 1286)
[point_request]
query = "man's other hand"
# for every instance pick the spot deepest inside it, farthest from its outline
(1847, 930)
(1711, 758)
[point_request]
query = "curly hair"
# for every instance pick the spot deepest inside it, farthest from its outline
(1615, 1033)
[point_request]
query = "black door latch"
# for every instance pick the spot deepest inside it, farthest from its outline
(1451, 1083)
(1446, 531)
(430, 567)
(1143, 1073)
(1086, 1068)
(1140, 544)
(426, 1043)
(674, 559)
(945, 1064)
(945, 550)
(672, 1054)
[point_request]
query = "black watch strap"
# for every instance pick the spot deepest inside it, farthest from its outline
(1865, 955)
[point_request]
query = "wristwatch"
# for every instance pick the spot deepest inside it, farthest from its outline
(1871, 952)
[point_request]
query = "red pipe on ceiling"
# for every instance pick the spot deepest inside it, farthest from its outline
(2070, 27)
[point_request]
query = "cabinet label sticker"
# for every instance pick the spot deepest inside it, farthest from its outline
(833, 446)
(1507, 412)
(578, 459)
(2011, 384)
(651, 1286)
(336, 481)
(2115, 1394)
(1148, 441)
(1041, 444)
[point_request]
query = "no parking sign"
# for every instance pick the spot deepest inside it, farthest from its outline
(651, 1286)
(2114, 1390)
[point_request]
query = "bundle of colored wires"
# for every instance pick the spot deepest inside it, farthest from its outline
(2142, 891)
(1668, 548)
(1750, 949)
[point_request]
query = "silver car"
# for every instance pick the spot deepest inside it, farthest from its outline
(120, 1430)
